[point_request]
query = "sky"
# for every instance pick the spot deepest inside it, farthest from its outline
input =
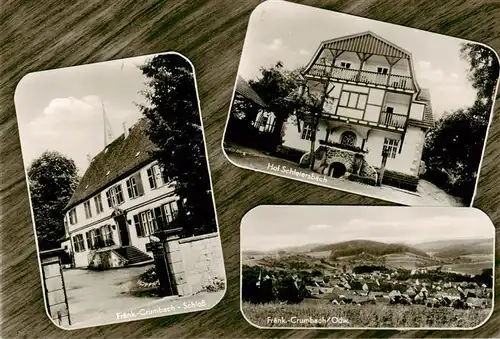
(273, 227)
(62, 109)
(292, 33)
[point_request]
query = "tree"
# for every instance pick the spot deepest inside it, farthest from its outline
(483, 71)
(454, 146)
(309, 106)
(274, 86)
(52, 180)
(175, 127)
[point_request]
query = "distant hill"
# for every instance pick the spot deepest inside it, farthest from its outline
(299, 249)
(253, 252)
(455, 248)
(375, 248)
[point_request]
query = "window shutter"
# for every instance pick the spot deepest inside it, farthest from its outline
(157, 173)
(137, 224)
(174, 208)
(138, 182)
(151, 178)
(144, 224)
(129, 189)
(108, 196)
(119, 194)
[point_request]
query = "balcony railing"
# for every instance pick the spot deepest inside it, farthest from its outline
(392, 119)
(362, 76)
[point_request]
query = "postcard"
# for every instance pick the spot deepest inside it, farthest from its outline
(120, 190)
(361, 106)
(375, 267)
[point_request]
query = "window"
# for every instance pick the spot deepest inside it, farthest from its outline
(100, 237)
(345, 64)
(150, 221)
(145, 223)
(383, 70)
(353, 100)
(96, 238)
(134, 186)
(306, 132)
(171, 211)
(89, 240)
(72, 216)
(264, 120)
(156, 177)
(391, 147)
(115, 196)
(88, 209)
(107, 235)
(98, 204)
(348, 138)
(389, 109)
(78, 243)
(266, 123)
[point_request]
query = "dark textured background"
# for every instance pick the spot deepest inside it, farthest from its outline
(44, 34)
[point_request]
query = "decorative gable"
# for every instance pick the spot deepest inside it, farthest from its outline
(366, 43)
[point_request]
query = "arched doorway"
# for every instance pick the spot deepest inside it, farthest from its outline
(337, 169)
(348, 138)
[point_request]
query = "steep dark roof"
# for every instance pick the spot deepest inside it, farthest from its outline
(121, 158)
(428, 119)
(243, 88)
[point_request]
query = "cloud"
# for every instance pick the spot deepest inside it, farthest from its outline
(73, 126)
(304, 52)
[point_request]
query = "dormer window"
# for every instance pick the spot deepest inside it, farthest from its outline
(382, 70)
(345, 64)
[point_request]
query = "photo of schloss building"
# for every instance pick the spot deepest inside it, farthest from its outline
(374, 106)
(122, 198)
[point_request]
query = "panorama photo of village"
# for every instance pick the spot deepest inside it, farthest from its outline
(361, 106)
(366, 267)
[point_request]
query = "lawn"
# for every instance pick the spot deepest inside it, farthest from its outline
(366, 316)
(427, 194)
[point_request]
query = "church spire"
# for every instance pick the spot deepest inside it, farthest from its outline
(108, 133)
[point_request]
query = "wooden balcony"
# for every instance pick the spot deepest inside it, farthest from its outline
(388, 121)
(392, 120)
(362, 76)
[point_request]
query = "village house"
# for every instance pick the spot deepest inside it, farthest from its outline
(122, 199)
(251, 123)
(375, 109)
(265, 120)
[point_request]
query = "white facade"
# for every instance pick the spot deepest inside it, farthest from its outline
(377, 118)
(149, 192)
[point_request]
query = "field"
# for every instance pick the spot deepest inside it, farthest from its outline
(369, 316)
(471, 268)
